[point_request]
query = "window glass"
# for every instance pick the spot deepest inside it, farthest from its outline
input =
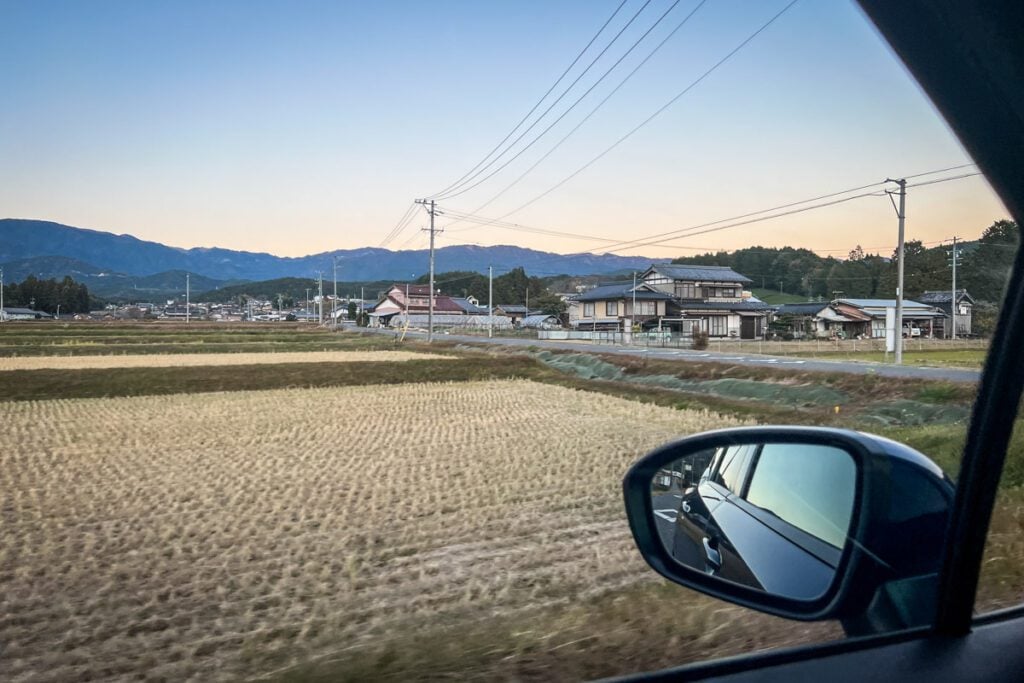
(588, 310)
(811, 487)
(611, 308)
(730, 474)
(1001, 583)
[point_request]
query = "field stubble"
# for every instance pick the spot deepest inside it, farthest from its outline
(198, 359)
(227, 535)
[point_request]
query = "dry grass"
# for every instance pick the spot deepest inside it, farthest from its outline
(222, 536)
(199, 359)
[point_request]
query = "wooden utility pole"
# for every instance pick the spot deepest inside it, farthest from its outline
(952, 302)
(432, 211)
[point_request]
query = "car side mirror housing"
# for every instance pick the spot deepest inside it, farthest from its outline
(802, 522)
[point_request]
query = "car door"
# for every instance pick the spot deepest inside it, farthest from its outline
(969, 59)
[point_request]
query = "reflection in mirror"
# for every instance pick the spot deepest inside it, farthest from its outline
(772, 516)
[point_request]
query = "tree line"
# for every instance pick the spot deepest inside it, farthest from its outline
(47, 295)
(983, 269)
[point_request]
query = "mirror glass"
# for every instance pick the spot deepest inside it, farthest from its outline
(772, 516)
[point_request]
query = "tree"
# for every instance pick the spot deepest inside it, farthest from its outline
(986, 268)
(47, 295)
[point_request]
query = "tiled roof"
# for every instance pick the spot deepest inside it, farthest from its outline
(724, 306)
(810, 308)
(943, 296)
(701, 273)
(468, 306)
(881, 303)
(622, 290)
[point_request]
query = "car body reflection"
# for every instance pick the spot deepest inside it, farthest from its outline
(770, 516)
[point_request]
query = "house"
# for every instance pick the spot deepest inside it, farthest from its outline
(916, 315)
(469, 305)
(514, 312)
(709, 298)
(819, 320)
(942, 300)
(610, 307)
(540, 321)
(412, 302)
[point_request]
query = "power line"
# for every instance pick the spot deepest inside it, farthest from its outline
(682, 232)
(659, 111)
(594, 110)
(578, 100)
(400, 225)
(449, 193)
(788, 213)
(544, 97)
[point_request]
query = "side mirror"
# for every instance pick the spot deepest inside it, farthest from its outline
(801, 522)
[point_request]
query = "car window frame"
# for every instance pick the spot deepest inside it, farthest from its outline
(961, 56)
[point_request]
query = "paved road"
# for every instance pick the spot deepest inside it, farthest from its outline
(816, 365)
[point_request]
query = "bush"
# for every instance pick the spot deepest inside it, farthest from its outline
(700, 340)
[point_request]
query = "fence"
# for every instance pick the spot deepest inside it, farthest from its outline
(674, 340)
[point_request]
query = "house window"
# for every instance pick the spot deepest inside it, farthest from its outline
(721, 292)
(588, 310)
(686, 290)
(718, 325)
(642, 308)
(611, 308)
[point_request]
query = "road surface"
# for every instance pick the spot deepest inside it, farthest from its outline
(808, 364)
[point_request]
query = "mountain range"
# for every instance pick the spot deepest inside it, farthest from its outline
(47, 249)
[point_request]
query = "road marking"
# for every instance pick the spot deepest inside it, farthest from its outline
(677, 495)
(667, 515)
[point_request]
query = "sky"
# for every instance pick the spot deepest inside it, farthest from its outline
(300, 127)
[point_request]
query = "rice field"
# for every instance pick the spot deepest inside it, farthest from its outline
(227, 536)
(169, 360)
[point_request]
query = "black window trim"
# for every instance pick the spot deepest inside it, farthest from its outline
(953, 50)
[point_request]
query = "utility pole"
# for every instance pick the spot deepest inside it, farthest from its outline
(901, 214)
(320, 307)
(188, 294)
(359, 313)
(432, 211)
(334, 304)
(3, 316)
(490, 300)
(632, 311)
(952, 302)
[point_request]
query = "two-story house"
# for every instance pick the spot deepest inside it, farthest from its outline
(611, 307)
(709, 298)
(412, 300)
(943, 300)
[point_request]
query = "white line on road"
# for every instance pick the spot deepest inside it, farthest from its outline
(667, 515)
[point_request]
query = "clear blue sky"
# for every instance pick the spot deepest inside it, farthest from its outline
(298, 127)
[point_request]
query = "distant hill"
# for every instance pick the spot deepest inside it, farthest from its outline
(112, 286)
(22, 239)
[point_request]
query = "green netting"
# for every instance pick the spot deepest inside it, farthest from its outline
(904, 412)
(755, 390)
(586, 366)
(591, 367)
